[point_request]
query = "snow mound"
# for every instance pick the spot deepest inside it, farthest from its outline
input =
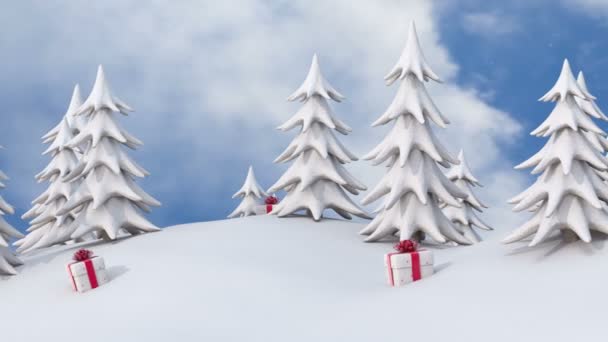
(265, 278)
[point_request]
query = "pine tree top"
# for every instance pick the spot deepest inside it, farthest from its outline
(566, 84)
(63, 137)
(412, 61)
(75, 103)
(589, 106)
(462, 171)
(101, 98)
(315, 84)
(567, 114)
(250, 186)
(76, 122)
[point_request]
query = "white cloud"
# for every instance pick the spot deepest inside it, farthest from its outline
(596, 8)
(209, 81)
(489, 24)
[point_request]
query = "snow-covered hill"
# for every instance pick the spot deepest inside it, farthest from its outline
(269, 279)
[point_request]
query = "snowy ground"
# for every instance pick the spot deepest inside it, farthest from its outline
(269, 279)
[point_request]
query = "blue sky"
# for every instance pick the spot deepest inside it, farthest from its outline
(209, 80)
(520, 60)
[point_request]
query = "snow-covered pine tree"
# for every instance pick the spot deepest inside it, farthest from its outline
(111, 200)
(568, 195)
(47, 228)
(317, 179)
(252, 195)
(465, 217)
(8, 260)
(590, 108)
(414, 183)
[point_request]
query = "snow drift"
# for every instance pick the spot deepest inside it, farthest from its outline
(265, 278)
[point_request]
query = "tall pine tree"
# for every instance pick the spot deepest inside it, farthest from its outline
(414, 184)
(111, 200)
(47, 227)
(317, 179)
(8, 260)
(568, 196)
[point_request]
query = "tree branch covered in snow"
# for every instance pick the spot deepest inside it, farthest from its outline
(8, 260)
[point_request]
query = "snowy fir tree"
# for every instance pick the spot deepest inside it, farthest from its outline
(568, 194)
(317, 179)
(590, 108)
(47, 227)
(414, 184)
(252, 195)
(110, 200)
(465, 217)
(8, 260)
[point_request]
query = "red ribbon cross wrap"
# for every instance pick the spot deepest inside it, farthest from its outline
(91, 273)
(409, 247)
(88, 264)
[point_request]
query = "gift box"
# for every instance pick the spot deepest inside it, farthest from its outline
(269, 204)
(264, 209)
(408, 264)
(87, 273)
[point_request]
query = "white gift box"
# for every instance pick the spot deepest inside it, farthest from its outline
(264, 209)
(404, 268)
(87, 275)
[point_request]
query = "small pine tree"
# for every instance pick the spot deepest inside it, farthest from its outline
(317, 179)
(8, 260)
(569, 195)
(252, 195)
(110, 199)
(47, 227)
(465, 217)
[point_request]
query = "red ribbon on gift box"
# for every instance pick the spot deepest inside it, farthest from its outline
(410, 247)
(271, 200)
(82, 255)
(406, 246)
(268, 208)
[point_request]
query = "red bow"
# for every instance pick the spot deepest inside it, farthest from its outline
(406, 246)
(82, 255)
(271, 200)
